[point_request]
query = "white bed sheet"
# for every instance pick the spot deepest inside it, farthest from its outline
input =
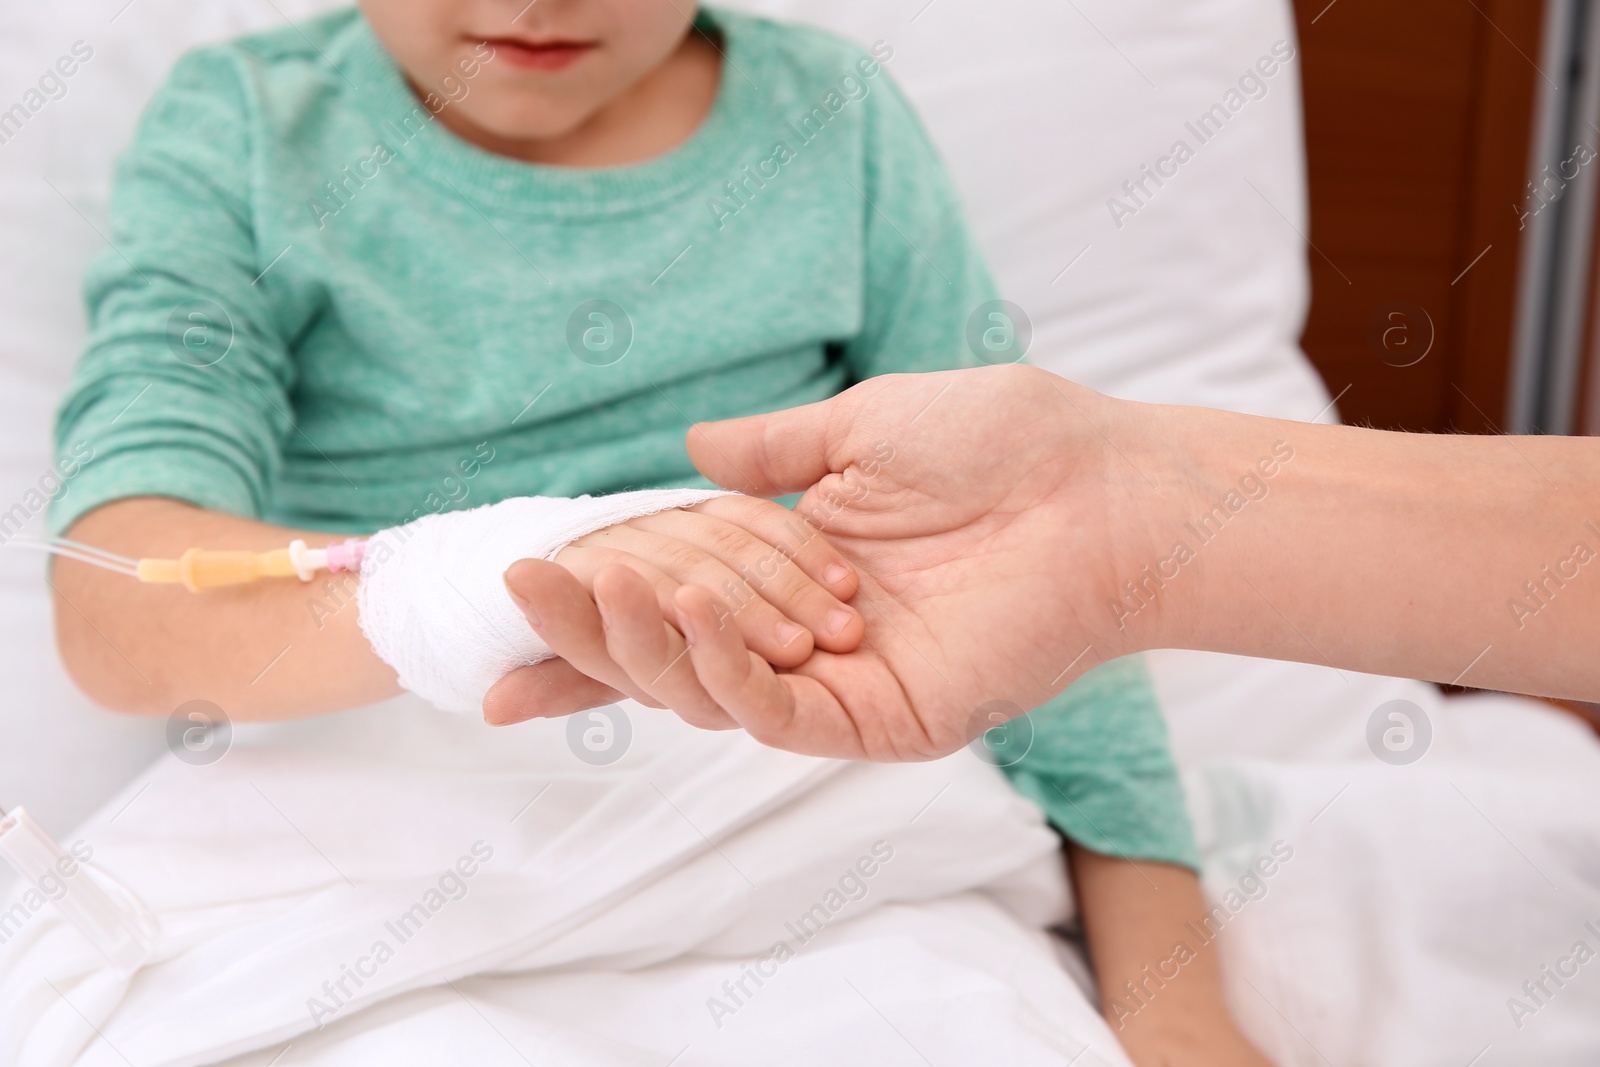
(604, 909)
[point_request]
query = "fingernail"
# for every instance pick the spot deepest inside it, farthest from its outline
(686, 624)
(836, 574)
(605, 620)
(838, 620)
(788, 633)
(522, 605)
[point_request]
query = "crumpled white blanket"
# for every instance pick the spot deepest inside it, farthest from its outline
(447, 892)
(434, 607)
(1435, 915)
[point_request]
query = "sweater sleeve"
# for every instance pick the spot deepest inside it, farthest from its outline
(1096, 760)
(182, 388)
(925, 275)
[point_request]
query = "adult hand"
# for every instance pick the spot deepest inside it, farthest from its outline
(1012, 529)
(992, 516)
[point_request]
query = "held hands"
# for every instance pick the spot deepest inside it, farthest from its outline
(984, 590)
(788, 588)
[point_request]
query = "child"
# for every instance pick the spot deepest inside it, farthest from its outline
(443, 252)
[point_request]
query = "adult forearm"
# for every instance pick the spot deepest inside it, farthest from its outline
(1454, 558)
(272, 650)
(1010, 524)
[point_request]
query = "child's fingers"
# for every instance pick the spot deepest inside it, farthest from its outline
(758, 569)
(560, 610)
(791, 536)
(641, 641)
(544, 691)
(669, 561)
(786, 711)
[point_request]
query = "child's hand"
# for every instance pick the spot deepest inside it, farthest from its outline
(786, 585)
(1210, 1041)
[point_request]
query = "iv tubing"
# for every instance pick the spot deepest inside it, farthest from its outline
(201, 569)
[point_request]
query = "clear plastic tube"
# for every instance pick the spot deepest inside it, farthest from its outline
(83, 553)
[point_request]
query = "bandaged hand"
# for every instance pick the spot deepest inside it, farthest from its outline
(433, 605)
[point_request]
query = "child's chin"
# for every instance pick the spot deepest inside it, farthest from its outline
(517, 121)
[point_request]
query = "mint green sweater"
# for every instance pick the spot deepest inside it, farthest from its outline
(322, 309)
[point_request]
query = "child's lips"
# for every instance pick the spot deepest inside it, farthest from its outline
(540, 55)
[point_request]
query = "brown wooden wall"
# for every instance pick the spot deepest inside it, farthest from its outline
(1418, 126)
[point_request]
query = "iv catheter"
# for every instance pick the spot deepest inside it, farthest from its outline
(200, 569)
(108, 913)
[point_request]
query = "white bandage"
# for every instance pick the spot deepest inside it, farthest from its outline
(434, 606)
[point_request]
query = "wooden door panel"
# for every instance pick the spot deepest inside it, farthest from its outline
(1418, 122)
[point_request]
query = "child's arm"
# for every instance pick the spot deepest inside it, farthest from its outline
(276, 649)
(1160, 985)
(282, 648)
(1096, 760)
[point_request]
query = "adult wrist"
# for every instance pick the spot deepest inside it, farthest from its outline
(1194, 474)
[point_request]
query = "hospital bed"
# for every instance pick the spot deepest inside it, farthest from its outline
(1435, 887)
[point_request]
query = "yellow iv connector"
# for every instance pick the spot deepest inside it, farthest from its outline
(200, 569)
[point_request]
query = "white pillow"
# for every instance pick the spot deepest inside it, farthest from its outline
(1042, 110)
